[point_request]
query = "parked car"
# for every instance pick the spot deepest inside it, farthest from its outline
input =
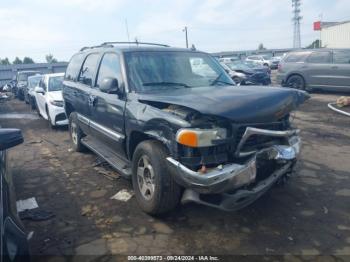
(254, 76)
(33, 81)
(257, 67)
(176, 132)
(49, 101)
(263, 60)
(238, 77)
(327, 69)
(275, 61)
(21, 82)
(228, 59)
(13, 244)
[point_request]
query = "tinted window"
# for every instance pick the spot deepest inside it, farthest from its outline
(295, 57)
(73, 68)
(55, 83)
(88, 70)
(110, 67)
(341, 57)
(319, 58)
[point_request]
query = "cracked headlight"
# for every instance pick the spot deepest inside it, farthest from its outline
(195, 137)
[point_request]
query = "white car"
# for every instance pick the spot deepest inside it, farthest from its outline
(49, 100)
(260, 60)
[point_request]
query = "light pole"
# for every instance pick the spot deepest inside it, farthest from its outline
(185, 30)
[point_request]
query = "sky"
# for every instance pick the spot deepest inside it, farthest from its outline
(35, 28)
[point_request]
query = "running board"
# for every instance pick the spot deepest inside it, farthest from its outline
(120, 165)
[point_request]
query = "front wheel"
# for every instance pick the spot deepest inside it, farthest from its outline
(155, 189)
(296, 82)
(49, 119)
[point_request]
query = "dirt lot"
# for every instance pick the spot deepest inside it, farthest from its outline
(308, 216)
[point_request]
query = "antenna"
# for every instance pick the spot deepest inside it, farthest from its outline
(296, 19)
(127, 29)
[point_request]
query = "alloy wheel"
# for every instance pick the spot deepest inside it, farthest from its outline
(145, 178)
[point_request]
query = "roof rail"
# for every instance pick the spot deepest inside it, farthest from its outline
(134, 43)
(95, 46)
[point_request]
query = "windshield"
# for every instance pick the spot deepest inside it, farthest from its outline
(33, 81)
(237, 65)
(55, 83)
(24, 76)
(154, 70)
(253, 65)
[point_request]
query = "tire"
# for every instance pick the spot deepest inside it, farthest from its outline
(296, 82)
(237, 80)
(166, 192)
(75, 133)
(32, 103)
(49, 119)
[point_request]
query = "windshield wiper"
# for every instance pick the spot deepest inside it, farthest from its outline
(217, 80)
(166, 84)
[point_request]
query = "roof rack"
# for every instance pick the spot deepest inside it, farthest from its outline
(133, 43)
(111, 44)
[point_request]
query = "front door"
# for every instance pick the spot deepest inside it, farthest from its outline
(317, 69)
(40, 98)
(107, 108)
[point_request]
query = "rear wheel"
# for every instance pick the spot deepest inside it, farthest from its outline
(296, 82)
(155, 189)
(76, 134)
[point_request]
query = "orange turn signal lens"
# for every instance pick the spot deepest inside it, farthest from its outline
(187, 138)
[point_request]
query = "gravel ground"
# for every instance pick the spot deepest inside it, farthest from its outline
(308, 216)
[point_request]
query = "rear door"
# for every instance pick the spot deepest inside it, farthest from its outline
(341, 69)
(82, 89)
(107, 109)
(318, 69)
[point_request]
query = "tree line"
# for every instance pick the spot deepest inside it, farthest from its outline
(27, 60)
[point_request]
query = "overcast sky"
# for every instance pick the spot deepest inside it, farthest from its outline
(38, 27)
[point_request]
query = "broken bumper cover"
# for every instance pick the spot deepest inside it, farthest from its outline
(229, 177)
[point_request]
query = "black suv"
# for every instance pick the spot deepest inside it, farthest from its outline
(173, 121)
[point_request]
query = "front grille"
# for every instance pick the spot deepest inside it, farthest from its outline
(255, 142)
(60, 117)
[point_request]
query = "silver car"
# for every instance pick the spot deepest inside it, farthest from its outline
(327, 69)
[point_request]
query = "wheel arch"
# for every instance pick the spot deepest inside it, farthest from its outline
(68, 108)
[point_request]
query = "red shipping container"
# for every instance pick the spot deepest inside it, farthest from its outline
(317, 26)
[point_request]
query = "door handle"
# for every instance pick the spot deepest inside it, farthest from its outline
(334, 67)
(92, 100)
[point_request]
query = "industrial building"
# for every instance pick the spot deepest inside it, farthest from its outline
(334, 34)
(8, 72)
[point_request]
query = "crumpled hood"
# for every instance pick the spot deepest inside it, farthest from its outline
(242, 104)
(56, 95)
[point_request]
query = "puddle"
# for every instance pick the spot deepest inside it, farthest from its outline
(19, 116)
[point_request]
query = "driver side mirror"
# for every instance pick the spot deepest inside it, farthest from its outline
(39, 90)
(110, 85)
(10, 138)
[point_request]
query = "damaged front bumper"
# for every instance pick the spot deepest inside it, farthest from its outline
(234, 177)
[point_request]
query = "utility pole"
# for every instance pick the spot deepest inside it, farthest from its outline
(296, 19)
(185, 30)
